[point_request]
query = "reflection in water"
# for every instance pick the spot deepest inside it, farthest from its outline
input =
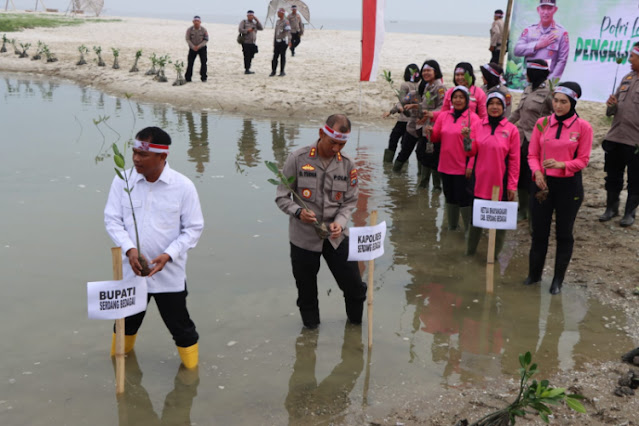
(248, 154)
(135, 407)
(280, 149)
(198, 141)
(329, 399)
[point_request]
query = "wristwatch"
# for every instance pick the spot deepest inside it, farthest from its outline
(298, 213)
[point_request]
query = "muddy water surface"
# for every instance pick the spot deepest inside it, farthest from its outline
(434, 325)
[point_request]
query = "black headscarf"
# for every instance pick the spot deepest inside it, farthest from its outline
(458, 113)
(438, 74)
(468, 68)
(491, 80)
(537, 77)
(408, 74)
(575, 87)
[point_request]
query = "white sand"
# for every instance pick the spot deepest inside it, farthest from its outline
(322, 78)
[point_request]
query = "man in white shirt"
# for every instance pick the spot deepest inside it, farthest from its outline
(169, 223)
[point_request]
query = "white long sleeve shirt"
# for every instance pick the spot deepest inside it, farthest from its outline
(169, 220)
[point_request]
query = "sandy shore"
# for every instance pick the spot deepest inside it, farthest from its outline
(323, 78)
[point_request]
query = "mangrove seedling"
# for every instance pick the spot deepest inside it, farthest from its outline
(14, 43)
(38, 54)
(24, 47)
(179, 66)
(116, 54)
(619, 61)
(388, 77)
(320, 228)
(4, 43)
(430, 146)
(542, 194)
(98, 52)
(83, 51)
(47, 54)
(120, 171)
(163, 61)
(533, 398)
(134, 68)
(154, 61)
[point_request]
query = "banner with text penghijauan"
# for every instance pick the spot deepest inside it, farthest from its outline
(581, 39)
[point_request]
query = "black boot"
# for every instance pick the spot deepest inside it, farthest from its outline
(612, 207)
(397, 166)
(631, 210)
(310, 318)
(535, 268)
(354, 310)
(561, 264)
(388, 155)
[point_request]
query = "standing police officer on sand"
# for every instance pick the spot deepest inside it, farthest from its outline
(249, 28)
(546, 40)
(196, 37)
(496, 32)
(297, 28)
(326, 180)
(622, 143)
(282, 37)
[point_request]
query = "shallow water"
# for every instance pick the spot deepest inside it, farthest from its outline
(434, 325)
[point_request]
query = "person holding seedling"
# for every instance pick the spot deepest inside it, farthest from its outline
(165, 205)
(559, 150)
(318, 190)
(465, 76)
(622, 144)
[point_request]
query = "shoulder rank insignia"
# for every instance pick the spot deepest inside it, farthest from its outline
(313, 152)
(442, 91)
(339, 157)
(508, 99)
(307, 167)
(353, 177)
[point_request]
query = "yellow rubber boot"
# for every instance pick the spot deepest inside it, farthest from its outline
(189, 356)
(129, 343)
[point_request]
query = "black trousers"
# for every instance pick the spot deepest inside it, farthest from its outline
(408, 145)
(456, 190)
(306, 265)
(618, 157)
(191, 60)
(396, 135)
(172, 307)
(249, 50)
(279, 53)
(525, 174)
(564, 199)
(295, 41)
(495, 56)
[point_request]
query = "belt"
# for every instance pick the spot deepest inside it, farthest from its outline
(279, 40)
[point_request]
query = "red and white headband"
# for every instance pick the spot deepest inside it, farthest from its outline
(462, 88)
(333, 134)
(491, 70)
(536, 66)
(427, 67)
(567, 91)
(635, 50)
(498, 95)
(151, 147)
(460, 70)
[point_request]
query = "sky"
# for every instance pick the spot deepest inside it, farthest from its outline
(411, 10)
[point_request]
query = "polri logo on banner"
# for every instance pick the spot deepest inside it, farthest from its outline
(366, 242)
(495, 214)
(116, 299)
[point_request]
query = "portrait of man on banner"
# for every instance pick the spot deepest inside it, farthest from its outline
(546, 39)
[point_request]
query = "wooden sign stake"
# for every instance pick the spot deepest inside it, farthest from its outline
(490, 267)
(369, 296)
(116, 256)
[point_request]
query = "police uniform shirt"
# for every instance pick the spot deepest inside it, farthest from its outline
(405, 88)
(199, 37)
(282, 30)
(296, 23)
(532, 106)
(250, 37)
(169, 219)
(556, 52)
(330, 192)
(496, 32)
(625, 125)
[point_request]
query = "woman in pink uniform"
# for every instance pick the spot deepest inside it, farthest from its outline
(477, 96)
(496, 152)
(452, 129)
(556, 156)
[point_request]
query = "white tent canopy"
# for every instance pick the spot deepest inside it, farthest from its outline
(274, 5)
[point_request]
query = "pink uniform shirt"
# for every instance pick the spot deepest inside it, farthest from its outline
(492, 152)
(477, 102)
(573, 146)
(452, 159)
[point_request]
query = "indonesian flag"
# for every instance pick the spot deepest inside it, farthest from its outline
(372, 37)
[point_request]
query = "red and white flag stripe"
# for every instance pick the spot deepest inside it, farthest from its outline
(372, 37)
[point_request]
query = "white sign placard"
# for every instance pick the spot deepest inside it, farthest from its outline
(366, 242)
(116, 299)
(495, 214)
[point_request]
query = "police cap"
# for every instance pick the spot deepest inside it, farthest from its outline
(547, 2)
